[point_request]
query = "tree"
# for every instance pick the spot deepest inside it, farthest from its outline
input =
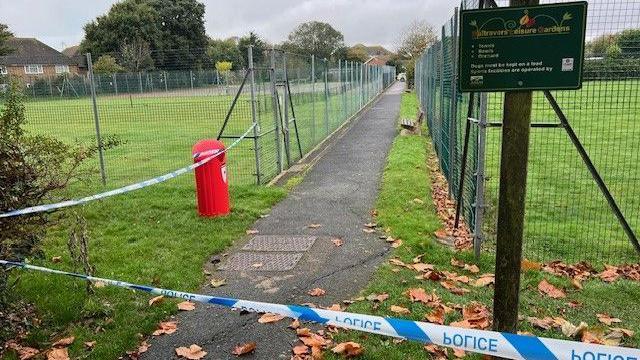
(136, 56)
(173, 29)
(106, 64)
(415, 39)
(183, 41)
(5, 34)
(357, 53)
(629, 42)
(598, 46)
(225, 51)
(259, 47)
(317, 38)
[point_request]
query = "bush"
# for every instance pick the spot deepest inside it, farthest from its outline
(32, 170)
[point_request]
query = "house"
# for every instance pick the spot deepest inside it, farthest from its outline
(73, 52)
(32, 59)
(377, 60)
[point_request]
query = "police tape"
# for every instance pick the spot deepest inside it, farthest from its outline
(128, 188)
(498, 344)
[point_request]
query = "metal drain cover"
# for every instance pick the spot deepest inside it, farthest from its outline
(280, 243)
(262, 261)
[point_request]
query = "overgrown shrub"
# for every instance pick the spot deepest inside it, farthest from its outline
(33, 169)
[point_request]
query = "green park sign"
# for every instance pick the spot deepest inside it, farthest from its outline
(522, 48)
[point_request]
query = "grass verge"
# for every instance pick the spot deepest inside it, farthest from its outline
(406, 178)
(152, 236)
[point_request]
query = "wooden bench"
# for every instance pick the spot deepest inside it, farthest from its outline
(412, 125)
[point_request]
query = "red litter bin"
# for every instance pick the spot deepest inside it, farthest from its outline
(212, 186)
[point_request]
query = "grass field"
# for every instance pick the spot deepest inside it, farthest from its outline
(406, 178)
(567, 217)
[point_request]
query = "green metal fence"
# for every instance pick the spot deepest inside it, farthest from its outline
(567, 215)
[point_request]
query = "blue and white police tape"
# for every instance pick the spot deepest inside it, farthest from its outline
(499, 344)
(128, 188)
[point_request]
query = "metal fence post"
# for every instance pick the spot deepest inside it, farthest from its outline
(361, 86)
(313, 99)
(276, 117)
(96, 118)
(478, 235)
(326, 96)
(285, 109)
(454, 102)
(140, 81)
(191, 78)
(254, 116)
(115, 83)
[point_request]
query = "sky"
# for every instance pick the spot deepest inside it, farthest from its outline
(59, 23)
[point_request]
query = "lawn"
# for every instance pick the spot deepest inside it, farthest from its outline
(152, 236)
(406, 178)
(567, 215)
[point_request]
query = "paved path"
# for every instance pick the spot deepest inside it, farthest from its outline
(338, 193)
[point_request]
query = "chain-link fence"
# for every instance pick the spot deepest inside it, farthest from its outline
(567, 216)
(148, 120)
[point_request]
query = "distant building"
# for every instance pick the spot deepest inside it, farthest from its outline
(32, 59)
(73, 52)
(377, 60)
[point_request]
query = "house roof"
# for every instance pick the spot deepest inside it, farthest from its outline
(32, 51)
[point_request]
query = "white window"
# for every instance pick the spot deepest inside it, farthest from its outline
(3, 70)
(62, 69)
(33, 69)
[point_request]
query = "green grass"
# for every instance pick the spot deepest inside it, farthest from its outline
(153, 236)
(567, 216)
(405, 178)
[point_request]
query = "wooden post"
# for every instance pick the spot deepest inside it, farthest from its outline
(511, 203)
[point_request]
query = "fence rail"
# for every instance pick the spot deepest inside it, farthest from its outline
(146, 122)
(567, 215)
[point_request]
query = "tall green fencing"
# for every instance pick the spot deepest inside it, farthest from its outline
(567, 216)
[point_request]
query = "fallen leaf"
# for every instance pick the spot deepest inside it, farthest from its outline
(576, 284)
(369, 231)
(419, 294)
(459, 353)
(397, 262)
(418, 201)
(591, 338)
(572, 331)
(58, 354)
(422, 267)
(24, 352)
(167, 327)
(544, 324)
(316, 353)
(399, 309)
(439, 352)
(314, 226)
(244, 349)
(348, 349)
(186, 306)
(436, 316)
(528, 265)
(610, 274)
(256, 265)
(193, 352)
(156, 300)
(337, 242)
(313, 340)
(216, 283)
(316, 292)
(441, 234)
(370, 225)
(144, 346)
(334, 307)
(270, 318)
(484, 280)
(377, 297)
(300, 350)
(64, 342)
(396, 244)
(625, 332)
(252, 232)
(294, 324)
(56, 259)
(451, 286)
(553, 292)
(89, 344)
(607, 319)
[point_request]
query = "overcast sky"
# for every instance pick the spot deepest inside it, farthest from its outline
(59, 23)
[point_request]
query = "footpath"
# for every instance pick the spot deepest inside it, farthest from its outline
(293, 250)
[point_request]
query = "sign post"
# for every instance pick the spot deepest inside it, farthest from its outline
(518, 49)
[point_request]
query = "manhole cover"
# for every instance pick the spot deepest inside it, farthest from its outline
(262, 261)
(280, 243)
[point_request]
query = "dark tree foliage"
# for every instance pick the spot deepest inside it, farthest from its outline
(173, 30)
(317, 38)
(259, 47)
(5, 34)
